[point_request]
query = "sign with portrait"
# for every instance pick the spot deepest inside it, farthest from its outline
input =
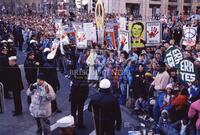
(81, 39)
(187, 71)
(190, 34)
(173, 57)
(124, 41)
(109, 37)
(153, 33)
(137, 34)
(99, 15)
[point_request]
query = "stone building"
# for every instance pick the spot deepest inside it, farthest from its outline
(147, 8)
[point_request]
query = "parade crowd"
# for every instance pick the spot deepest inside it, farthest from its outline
(139, 79)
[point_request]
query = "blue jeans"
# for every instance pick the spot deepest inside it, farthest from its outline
(122, 98)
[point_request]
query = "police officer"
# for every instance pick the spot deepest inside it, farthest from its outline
(78, 96)
(106, 110)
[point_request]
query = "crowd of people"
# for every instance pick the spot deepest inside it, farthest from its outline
(140, 79)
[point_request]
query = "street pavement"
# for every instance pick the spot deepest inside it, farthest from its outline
(25, 124)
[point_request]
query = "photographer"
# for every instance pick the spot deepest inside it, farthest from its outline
(41, 96)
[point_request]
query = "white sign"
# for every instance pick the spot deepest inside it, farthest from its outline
(187, 71)
(124, 41)
(90, 32)
(122, 22)
(81, 39)
(153, 33)
(190, 34)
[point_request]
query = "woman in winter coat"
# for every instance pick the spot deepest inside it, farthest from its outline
(195, 111)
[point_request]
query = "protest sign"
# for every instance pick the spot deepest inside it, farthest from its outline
(110, 39)
(153, 33)
(187, 71)
(81, 39)
(137, 30)
(173, 57)
(124, 41)
(64, 39)
(90, 32)
(190, 34)
(58, 27)
(122, 22)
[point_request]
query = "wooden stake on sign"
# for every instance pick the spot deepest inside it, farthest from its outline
(99, 19)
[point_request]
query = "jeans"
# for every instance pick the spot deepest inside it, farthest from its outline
(43, 125)
(122, 98)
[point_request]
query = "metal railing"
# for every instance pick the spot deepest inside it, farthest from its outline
(2, 103)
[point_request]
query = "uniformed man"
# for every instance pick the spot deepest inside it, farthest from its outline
(15, 84)
(106, 110)
(78, 96)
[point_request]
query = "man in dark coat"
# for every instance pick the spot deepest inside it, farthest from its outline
(106, 110)
(30, 68)
(17, 32)
(15, 84)
(50, 72)
(4, 70)
(78, 96)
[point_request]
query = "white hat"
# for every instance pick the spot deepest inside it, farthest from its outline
(67, 121)
(10, 41)
(33, 41)
(105, 84)
(46, 50)
(12, 58)
(3, 41)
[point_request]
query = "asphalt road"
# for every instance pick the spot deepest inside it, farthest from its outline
(25, 124)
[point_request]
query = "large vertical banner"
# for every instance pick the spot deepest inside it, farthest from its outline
(81, 39)
(190, 34)
(153, 33)
(137, 34)
(99, 19)
(64, 37)
(124, 41)
(110, 39)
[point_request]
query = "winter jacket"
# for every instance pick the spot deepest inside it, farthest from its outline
(194, 92)
(195, 110)
(126, 76)
(179, 102)
(40, 106)
(161, 81)
(30, 69)
(15, 78)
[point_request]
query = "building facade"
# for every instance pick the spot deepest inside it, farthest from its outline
(148, 8)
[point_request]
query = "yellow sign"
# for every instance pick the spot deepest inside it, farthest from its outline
(99, 15)
(137, 30)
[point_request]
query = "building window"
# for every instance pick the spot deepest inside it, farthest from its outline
(133, 9)
(187, 1)
(172, 0)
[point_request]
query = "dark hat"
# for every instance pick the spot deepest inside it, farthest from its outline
(30, 53)
(41, 76)
(161, 64)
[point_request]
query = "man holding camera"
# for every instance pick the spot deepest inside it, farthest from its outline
(41, 96)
